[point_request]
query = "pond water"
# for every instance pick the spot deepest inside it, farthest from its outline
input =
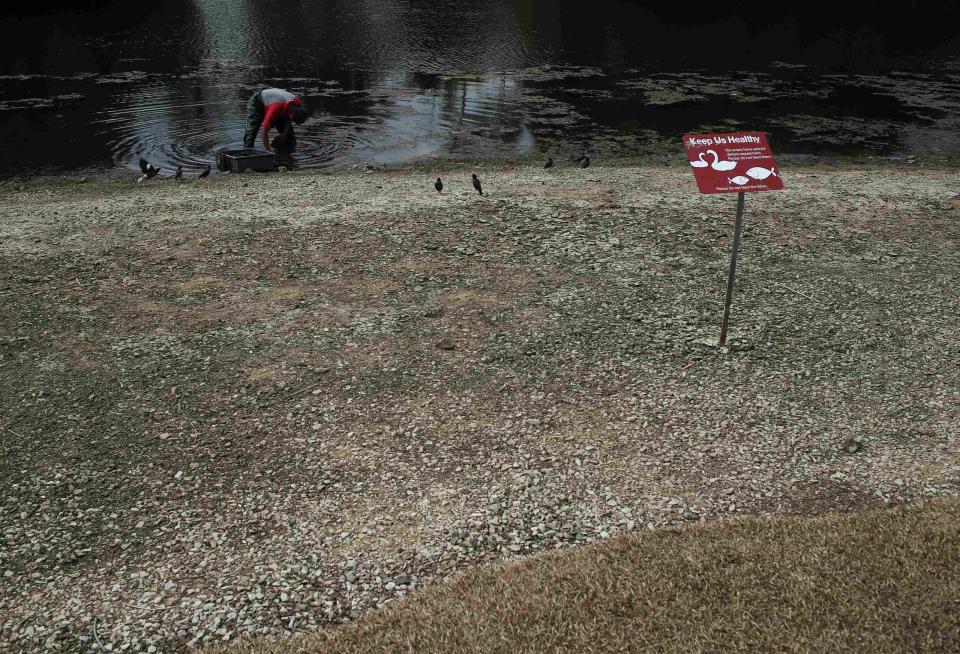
(392, 81)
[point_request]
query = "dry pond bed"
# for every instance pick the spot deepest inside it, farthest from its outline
(264, 404)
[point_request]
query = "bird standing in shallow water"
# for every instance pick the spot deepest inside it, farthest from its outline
(549, 163)
(586, 162)
(438, 185)
(205, 172)
(148, 169)
(179, 172)
(476, 184)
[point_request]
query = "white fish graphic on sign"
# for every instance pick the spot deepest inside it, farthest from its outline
(762, 173)
(739, 180)
(721, 165)
(699, 164)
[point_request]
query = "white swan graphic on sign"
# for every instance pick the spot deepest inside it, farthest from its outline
(762, 173)
(701, 163)
(721, 165)
(739, 180)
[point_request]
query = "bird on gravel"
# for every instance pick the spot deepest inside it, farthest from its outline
(179, 173)
(549, 163)
(586, 162)
(148, 169)
(438, 185)
(476, 184)
(205, 172)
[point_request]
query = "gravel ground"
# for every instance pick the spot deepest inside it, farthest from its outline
(262, 404)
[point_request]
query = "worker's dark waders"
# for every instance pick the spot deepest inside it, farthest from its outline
(255, 113)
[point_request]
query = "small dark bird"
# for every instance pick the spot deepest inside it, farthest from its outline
(438, 186)
(549, 163)
(179, 173)
(148, 169)
(576, 159)
(586, 162)
(476, 184)
(205, 172)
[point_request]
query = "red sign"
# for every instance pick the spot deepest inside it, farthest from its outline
(732, 163)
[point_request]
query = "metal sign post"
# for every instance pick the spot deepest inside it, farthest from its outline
(736, 162)
(733, 269)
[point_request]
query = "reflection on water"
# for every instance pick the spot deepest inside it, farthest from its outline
(397, 80)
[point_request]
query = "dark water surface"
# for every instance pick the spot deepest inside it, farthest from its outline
(400, 80)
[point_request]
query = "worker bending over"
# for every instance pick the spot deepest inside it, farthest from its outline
(273, 108)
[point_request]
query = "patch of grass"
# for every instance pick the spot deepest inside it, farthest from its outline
(876, 581)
